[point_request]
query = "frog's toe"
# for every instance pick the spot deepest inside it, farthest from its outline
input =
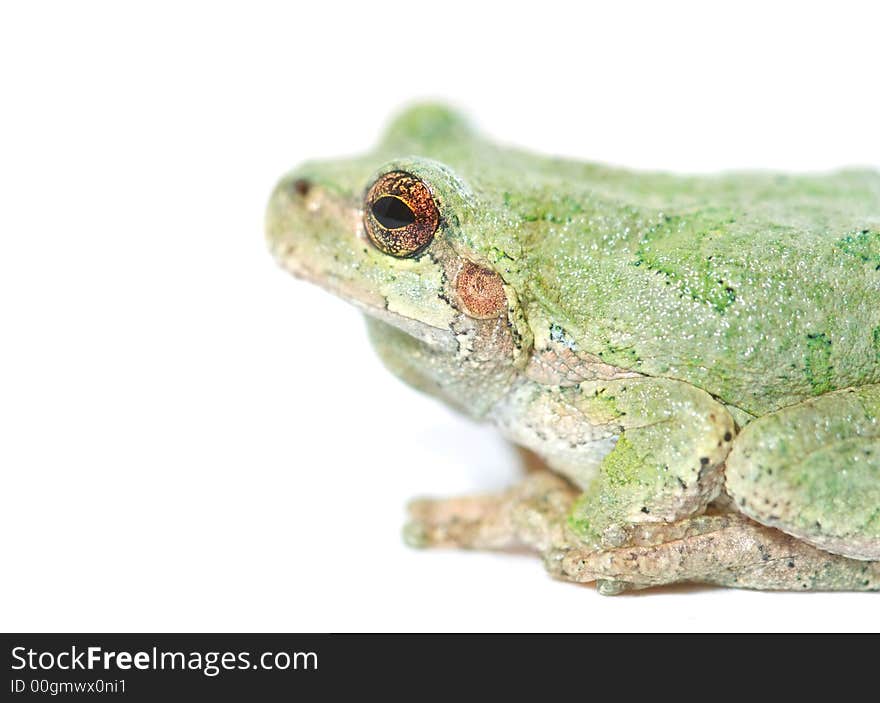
(415, 535)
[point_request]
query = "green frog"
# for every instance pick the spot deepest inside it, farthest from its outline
(691, 362)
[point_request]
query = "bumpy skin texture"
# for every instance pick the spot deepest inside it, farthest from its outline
(770, 468)
(696, 360)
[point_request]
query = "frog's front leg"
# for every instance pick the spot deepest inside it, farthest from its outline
(643, 449)
(532, 513)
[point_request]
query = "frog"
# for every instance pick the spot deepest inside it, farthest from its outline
(690, 363)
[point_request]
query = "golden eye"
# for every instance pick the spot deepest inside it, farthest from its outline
(400, 215)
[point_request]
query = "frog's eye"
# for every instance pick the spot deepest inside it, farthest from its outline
(400, 215)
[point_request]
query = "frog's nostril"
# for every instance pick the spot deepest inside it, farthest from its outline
(301, 187)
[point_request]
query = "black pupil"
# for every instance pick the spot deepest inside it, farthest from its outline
(393, 213)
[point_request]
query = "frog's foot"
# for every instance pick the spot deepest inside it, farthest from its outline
(531, 513)
(813, 470)
(727, 550)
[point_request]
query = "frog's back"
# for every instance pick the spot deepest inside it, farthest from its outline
(763, 289)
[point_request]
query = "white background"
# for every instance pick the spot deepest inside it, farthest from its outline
(192, 440)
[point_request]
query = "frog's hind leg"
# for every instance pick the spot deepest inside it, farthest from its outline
(813, 471)
(532, 513)
(725, 550)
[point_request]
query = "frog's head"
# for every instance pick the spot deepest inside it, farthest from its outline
(402, 234)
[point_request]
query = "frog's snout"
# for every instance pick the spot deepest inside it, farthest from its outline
(301, 186)
(286, 216)
(288, 212)
(309, 225)
(292, 198)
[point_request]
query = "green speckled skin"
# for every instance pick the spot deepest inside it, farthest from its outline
(648, 318)
(835, 437)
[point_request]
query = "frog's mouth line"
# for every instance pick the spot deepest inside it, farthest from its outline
(370, 303)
